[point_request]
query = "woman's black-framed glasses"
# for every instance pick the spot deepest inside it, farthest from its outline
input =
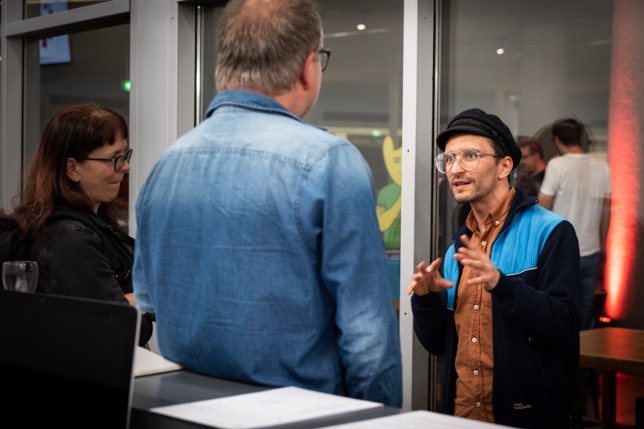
(119, 160)
(325, 54)
(469, 159)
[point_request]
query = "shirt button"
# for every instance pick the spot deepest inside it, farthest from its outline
(478, 405)
(476, 306)
(476, 372)
(474, 340)
(483, 243)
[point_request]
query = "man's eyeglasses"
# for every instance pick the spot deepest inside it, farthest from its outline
(469, 159)
(325, 54)
(119, 160)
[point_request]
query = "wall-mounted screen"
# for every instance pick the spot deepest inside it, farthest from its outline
(54, 50)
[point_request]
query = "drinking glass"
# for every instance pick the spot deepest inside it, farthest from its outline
(21, 276)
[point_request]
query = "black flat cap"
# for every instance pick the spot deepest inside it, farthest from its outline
(477, 122)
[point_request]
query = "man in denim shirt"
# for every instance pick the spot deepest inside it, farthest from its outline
(258, 245)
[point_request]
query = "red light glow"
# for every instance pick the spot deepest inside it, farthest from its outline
(624, 142)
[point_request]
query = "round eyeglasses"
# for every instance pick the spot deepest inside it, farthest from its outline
(119, 160)
(469, 159)
(325, 54)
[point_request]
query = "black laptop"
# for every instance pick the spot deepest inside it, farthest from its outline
(66, 362)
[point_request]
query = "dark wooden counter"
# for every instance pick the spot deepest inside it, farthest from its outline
(612, 350)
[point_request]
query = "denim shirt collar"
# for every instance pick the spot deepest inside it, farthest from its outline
(250, 100)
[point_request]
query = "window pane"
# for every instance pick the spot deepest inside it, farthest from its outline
(88, 66)
(361, 95)
(35, 8)
(530, 63)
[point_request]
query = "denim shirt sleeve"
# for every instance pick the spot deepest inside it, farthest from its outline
(338, 219)
(139, 278)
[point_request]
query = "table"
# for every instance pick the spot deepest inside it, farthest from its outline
(612, 350)
(184, 386)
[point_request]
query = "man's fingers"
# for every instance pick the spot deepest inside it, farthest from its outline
(435, 265)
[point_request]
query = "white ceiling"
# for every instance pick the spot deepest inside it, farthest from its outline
(475, 28)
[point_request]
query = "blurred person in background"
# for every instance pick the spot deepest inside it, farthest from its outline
(532, 167)
(578, 187)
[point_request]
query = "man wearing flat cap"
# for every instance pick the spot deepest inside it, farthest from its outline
(502, 304)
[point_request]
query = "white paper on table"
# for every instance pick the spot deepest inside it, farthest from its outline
(418, 420)
(267, 408)
(147, 362)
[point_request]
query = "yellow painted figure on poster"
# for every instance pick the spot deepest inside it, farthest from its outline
(388, 203)
(388, 210)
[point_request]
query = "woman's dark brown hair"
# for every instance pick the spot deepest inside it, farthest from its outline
(73, 132)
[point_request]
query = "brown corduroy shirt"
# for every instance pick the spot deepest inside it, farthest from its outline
(473, 317)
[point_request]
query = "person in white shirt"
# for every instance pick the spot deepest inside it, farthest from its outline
(577, 186)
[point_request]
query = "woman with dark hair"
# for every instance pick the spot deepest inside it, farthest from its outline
(69, 209)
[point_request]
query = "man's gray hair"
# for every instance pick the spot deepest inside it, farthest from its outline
(263, 44)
